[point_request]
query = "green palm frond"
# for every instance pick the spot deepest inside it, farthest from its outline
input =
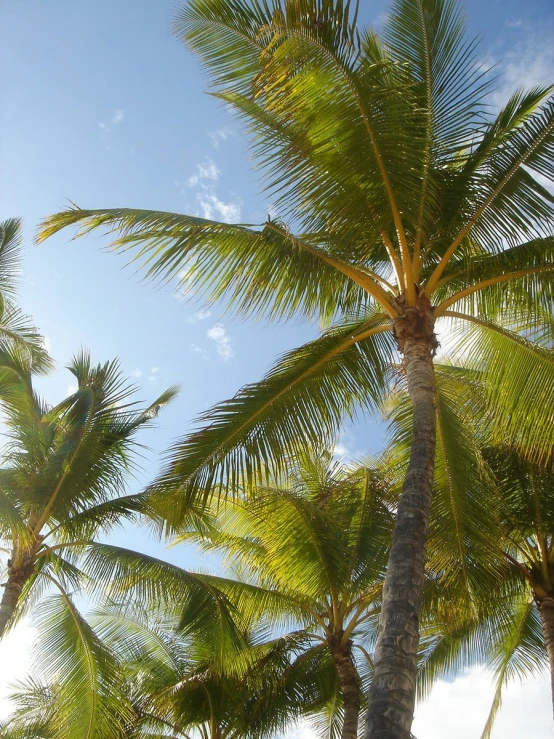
(518, 378)
(195, 600)
(516, 206)
(300, 402)
(258, 270)
(518, 650)
(10, 255)
(91, 702)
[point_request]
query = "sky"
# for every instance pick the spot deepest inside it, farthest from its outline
(103, 107)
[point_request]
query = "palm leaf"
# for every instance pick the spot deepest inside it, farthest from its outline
(302, 401)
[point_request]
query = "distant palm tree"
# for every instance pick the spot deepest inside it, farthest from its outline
(62, 483)
(414, 208)
(319, 539)
(516, 636)
(169, 687)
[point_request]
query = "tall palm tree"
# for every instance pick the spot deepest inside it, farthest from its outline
(413, 207)
(490, 542)
(63, 474)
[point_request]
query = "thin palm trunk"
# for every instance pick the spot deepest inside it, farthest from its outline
(17, 577)
(350, 688)
(546, 609)
(393, 687)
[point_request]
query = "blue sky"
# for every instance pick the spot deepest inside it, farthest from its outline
(101, 105)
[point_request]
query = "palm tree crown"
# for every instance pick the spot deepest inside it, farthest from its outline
(62, 483)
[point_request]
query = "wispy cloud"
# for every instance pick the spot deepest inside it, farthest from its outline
(118, 116)
(216, 137)
(528, 63)
(136, 373)
(213, 208)
(222, 340)
(200, 315)
(152, 376)
(206, 170)
(195, 349)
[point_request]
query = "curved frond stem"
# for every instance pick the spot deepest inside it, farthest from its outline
(524, 571)
(443, 307)
(441, 266)
(366, 279)
(366, 654)
(316, 637)
(346, 344)
(396, 263)
(429, 91)
(502, 672)
(67, 545)
(355, 620)
(406, 258)
(492, 327)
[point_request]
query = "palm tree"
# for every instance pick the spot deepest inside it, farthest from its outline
(169, 687)
(62, 478)
(318, 537)
(517, 637)
(414, 210)
(176, 679)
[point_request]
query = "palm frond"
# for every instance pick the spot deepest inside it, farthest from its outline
(301, 401)
(91, 701)
(518, 377)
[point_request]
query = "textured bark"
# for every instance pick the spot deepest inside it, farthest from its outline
(393, 687)
(546, 608)
(350, 688)
(17, 577)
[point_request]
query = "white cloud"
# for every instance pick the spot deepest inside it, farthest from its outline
(71, 388)
(516, 23)
(528, 63)
(222, 341)
(206, 170)
(200, 315)
(136, 373)
(341, 451)
(526, 709)
(214, 208)
(118, 116)
(216, 137)
(195, 349)
(46, 343)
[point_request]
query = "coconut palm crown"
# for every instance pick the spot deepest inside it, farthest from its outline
(410, 211)
(62, 483)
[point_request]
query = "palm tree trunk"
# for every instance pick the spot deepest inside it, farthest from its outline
(17, 577)
(393, 686)
(350, 688)
(546, 609)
